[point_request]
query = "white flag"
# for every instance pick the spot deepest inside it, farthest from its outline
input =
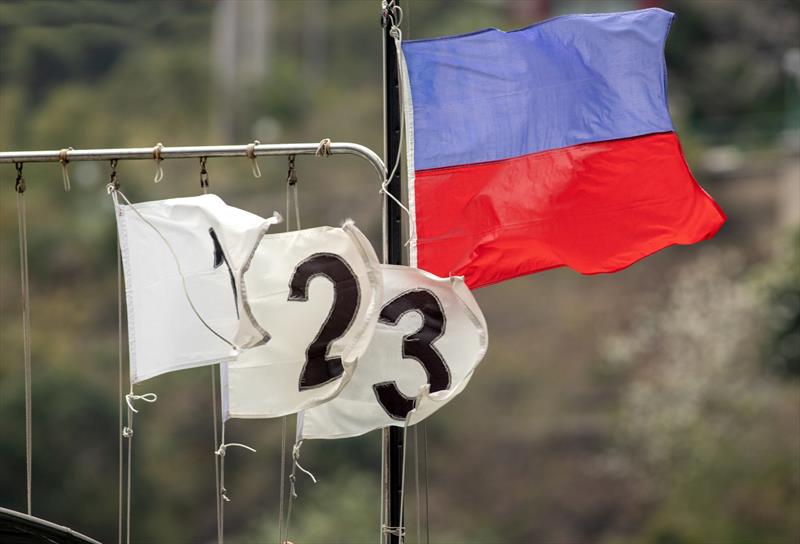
(316, 294)
(430, 336)
(182, 258)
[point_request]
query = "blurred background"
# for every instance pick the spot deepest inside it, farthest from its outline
(657, 405)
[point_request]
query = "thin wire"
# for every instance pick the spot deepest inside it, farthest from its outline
(128, 433)
(296, 206)
(403, 483)
(222, 496)
(416, 478)
(220, 452)
(400, 529)
(284, 424)
(293, 479)
(384, 216)
(216, 459)
(398, 38)
(425, 479)
(119, 377)
(291, 189)
(22, 221)
(383, 481)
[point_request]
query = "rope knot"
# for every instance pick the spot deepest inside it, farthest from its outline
(63, 158)
(157, 157)
(127, 432)
(221, 450)
(396, 531)
(324, 148)
(250, 150)
(147, 397)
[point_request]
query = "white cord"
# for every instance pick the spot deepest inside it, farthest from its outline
(119, 378)
(220, 453)
(22, 221)
(216, 458)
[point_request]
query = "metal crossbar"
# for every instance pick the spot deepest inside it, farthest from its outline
(149, 153)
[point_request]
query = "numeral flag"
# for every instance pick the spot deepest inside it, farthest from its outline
(547, 146)
(314, 296)
(181, 258)
(430, 336)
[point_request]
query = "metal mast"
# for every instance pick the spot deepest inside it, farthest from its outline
(392, 436)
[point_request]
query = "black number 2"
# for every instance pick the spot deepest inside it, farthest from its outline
(319, 369)
(417, 345)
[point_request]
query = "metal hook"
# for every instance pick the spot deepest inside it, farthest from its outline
(291, 176)
(157, 156)
(113, 182)
(19, 186)
(391, 14)
(203, 175)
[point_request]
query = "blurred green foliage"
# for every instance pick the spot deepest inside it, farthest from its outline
(657, 405)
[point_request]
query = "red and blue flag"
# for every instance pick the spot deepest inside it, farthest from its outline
(547, 146)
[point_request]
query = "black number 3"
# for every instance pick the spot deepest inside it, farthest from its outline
(418, 345)
(319, 369)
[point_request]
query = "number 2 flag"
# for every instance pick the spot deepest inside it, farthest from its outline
(313, 295)
(547, 146)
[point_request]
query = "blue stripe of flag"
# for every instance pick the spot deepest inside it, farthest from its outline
(575, 79)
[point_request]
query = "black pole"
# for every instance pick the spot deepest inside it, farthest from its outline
(393, 436)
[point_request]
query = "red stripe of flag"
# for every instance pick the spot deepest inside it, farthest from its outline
(596, 207)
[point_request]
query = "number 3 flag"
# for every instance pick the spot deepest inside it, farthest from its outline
(547, 146)
(430, 336)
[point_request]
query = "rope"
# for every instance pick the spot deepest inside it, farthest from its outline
(63, 159)
(397, 34)
(22, 224)
(324, 148)
(114, 192)
(127, 432)
(293, 479)
(216, 458)
(251, 153)
(396, 531)
(157, 156)
(223, 494)
(119, 377)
